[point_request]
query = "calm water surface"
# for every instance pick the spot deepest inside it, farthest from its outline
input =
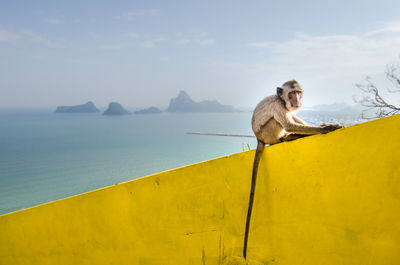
(46, 156)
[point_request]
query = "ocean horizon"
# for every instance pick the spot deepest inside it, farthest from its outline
(45, 156)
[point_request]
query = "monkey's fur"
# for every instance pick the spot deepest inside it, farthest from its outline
(274, 121)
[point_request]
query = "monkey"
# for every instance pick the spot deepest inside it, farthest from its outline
(274, 121)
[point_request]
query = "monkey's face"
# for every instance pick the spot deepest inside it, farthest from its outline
(293, 101)
(291, 93)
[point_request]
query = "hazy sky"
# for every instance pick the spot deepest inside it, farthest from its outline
(141, 53)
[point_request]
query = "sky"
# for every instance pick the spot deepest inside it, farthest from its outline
(142, 53)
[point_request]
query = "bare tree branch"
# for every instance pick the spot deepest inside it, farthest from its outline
(372, 98)
(393, 75)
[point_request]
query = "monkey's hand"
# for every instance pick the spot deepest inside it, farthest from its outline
(325, 128)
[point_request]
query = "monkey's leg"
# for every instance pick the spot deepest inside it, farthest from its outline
(293, 136)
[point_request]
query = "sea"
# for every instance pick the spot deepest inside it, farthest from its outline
(46, 156)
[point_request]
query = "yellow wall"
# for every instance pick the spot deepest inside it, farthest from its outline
(326, 199)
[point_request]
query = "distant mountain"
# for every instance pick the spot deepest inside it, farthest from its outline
(342, 109)
(183, 103)
(343, 113)
(89, 107)
(114, 108)
(151, 110)
(337, 107)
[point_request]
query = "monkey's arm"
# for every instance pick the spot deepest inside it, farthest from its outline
(287, 121)
(298, 120)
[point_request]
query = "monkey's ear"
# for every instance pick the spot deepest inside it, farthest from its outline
(279, 91)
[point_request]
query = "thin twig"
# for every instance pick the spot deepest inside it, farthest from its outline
(372, 98)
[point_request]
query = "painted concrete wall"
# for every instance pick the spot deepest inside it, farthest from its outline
(325, 199)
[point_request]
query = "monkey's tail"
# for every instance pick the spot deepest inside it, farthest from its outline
(260, 148)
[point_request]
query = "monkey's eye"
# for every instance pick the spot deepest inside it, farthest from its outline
(297, 93)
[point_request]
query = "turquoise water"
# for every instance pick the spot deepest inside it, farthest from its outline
(46, 156)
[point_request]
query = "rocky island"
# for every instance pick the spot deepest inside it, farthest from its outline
(88, 107)
(183, 103)
(151, 110)
(114, 108)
